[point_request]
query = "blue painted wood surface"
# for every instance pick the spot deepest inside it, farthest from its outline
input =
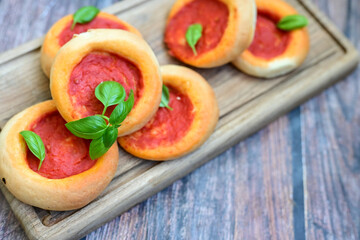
(297, 178)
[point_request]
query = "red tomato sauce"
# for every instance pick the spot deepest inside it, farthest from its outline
(211, 14)
(167, 126)
(98, 67)
(97, 22)
(269, 41)
(65, 154)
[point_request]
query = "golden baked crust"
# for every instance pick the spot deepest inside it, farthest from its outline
(51, 43)
(53, 194)
(206, 114)
(293, 56)
(122, 43)
(237, 37)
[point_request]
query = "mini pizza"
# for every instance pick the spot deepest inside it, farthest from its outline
(106, 55)
(210, 33)
(61, 32)
(273, 52)
(68, 178)
(182, 126)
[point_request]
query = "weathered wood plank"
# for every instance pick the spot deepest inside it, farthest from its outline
(331, 145)
(197, 216)
(129, 225)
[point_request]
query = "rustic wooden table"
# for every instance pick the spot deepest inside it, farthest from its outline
(297, 178)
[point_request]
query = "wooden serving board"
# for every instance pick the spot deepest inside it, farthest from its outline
(246, 105)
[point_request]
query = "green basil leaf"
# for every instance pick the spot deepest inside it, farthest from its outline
(84, 15)
(97, 148)
(35, 144)
(165, 97)
(89, 128)
(110, 93)
(292, 22)
(122, 110)
(193, 34)
(110, 136)
(118, 115)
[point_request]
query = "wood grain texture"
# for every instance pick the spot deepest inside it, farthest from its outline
(331, 153)
(248, 191)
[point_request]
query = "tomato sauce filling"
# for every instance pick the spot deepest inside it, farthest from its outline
(98, 67)
(98, 22)
(65, 154)
(167, 126)
(269, 41)
(211, 14)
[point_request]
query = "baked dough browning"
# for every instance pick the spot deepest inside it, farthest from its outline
(193, 129)
(34, 189)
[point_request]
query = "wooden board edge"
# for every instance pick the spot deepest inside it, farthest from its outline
(126, 4)
(21, 50)
(329, 26)
(25, 214)
(37, 42)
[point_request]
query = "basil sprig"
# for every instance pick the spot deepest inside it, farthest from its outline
(193, 34)
(84, 15)
(292, 22)
(165, 97)
(35, 145)
(101, 129)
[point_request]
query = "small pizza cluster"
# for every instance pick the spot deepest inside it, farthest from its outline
(107, 88)
(262, 38)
